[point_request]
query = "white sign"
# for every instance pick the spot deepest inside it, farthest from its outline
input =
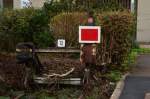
(89, 34)
(61, 43)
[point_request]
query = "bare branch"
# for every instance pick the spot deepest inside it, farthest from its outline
(60, 75)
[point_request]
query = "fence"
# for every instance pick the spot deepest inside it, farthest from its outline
(124, 3)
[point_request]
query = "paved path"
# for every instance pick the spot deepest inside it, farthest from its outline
(137, 84)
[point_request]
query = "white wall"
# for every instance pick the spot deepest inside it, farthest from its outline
(37, 3)
(17, 4)
(143, 21)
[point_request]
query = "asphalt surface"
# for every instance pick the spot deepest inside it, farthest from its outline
(137, 84)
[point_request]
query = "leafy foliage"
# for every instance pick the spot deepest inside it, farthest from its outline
(115, 38)
(14, 27)
(23, 25)
(114, 76)
(53, 6)
(40, 30)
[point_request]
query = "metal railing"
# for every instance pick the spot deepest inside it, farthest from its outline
(124, 3)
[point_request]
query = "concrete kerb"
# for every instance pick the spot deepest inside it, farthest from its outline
(120, 85)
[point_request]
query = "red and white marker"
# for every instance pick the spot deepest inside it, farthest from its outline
(89, 34)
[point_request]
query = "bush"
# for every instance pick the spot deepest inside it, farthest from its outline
(114, 76)
(55, 7)
(13, 28)
(23, 26)
(115, 38)
(42, 36)
(65, 25)
(43, 39)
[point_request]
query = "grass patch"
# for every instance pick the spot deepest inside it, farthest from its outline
(2, 97)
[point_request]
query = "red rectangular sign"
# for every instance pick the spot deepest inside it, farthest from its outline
(89, 34)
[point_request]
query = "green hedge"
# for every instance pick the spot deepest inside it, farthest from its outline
(82, 5)
(115, 38)
(23, 25)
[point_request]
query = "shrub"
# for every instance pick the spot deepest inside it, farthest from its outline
(114, 76)
(43, 39)
(65, 25)
(115, 38)
(23, 25)
(39, 27)
(55, 7)
(14, 28)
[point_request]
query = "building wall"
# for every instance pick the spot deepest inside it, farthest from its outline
(35, 3)
(143, 21)
(38, 3)
(17, 4)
